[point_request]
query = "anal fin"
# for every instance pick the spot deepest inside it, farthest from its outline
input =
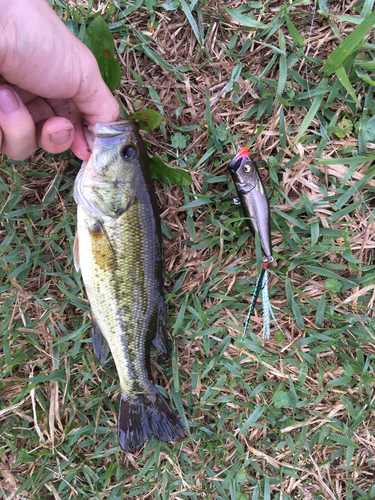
(161, 340)
(101, 347)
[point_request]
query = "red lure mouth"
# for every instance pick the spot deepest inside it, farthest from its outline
(241, 157)
(241, 153)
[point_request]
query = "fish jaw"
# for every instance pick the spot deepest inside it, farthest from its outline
(109, 134)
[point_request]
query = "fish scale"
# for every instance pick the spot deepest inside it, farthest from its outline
(127, 286)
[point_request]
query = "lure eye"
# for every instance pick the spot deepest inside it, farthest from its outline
(246, 168)
(129, 152)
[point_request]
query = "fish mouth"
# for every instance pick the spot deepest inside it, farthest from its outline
(107, 134)
(239, 160)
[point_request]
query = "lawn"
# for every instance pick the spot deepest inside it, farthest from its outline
(291, 417)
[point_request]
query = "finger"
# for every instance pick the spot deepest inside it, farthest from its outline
(55, 135)
(68, 71)
(23, 94)
(67, 109)
(39, 109)
(17, 126)
(94, 99)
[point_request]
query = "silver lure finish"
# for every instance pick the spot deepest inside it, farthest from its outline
(253, 198)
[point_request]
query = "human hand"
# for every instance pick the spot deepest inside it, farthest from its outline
(49, 83)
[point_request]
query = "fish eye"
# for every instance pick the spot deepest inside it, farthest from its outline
(247, 168)
(129, 152)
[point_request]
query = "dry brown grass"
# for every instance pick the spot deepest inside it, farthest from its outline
(37, 425)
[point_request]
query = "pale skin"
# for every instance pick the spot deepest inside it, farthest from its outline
(49, 83)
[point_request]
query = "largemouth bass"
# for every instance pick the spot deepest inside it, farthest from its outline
(253, 198)
(118, 248)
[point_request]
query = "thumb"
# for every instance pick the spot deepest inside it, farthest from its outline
(94, 99)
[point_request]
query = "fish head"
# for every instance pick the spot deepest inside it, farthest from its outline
(117, 148)
(118, 162)
(243, 171)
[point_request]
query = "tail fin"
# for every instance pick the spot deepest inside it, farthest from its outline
(145, 414)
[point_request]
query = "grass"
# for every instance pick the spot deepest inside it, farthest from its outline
(287, 418)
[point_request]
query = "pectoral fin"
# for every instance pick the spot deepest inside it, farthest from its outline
(101, 347)
(102, 249)
(76, 252)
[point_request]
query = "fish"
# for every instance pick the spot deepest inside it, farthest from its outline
(118, 248)
(252, 198)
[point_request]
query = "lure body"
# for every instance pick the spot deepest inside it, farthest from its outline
(253, 198)
(254, 202)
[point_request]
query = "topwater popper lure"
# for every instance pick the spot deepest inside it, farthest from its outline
(254, 202)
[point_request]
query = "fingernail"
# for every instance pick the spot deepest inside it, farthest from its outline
(61, 136)
(8, 101)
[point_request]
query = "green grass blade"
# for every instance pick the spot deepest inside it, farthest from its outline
(349, 45)
(294, 33)
(245, 20)
(192, 22)
(343, 77)
(311, 113)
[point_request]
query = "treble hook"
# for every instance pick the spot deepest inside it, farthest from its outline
(247, 277)
(225, 200)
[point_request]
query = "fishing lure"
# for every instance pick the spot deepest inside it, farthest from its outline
(254, 202)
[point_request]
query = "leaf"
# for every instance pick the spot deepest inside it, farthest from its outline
(320, 271)
(149, 119)
(175, 4)
(297, 314)
(282, 398)
(163, 172)
(351, 160)
(367, 128)
(222, 132)
(137, 77)
(178, 141)
(234, 76)
(333, 285)
(349, 45)
(245, 20)
(58, 376)
(99, 40)
(206, 155)
(320, 310)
